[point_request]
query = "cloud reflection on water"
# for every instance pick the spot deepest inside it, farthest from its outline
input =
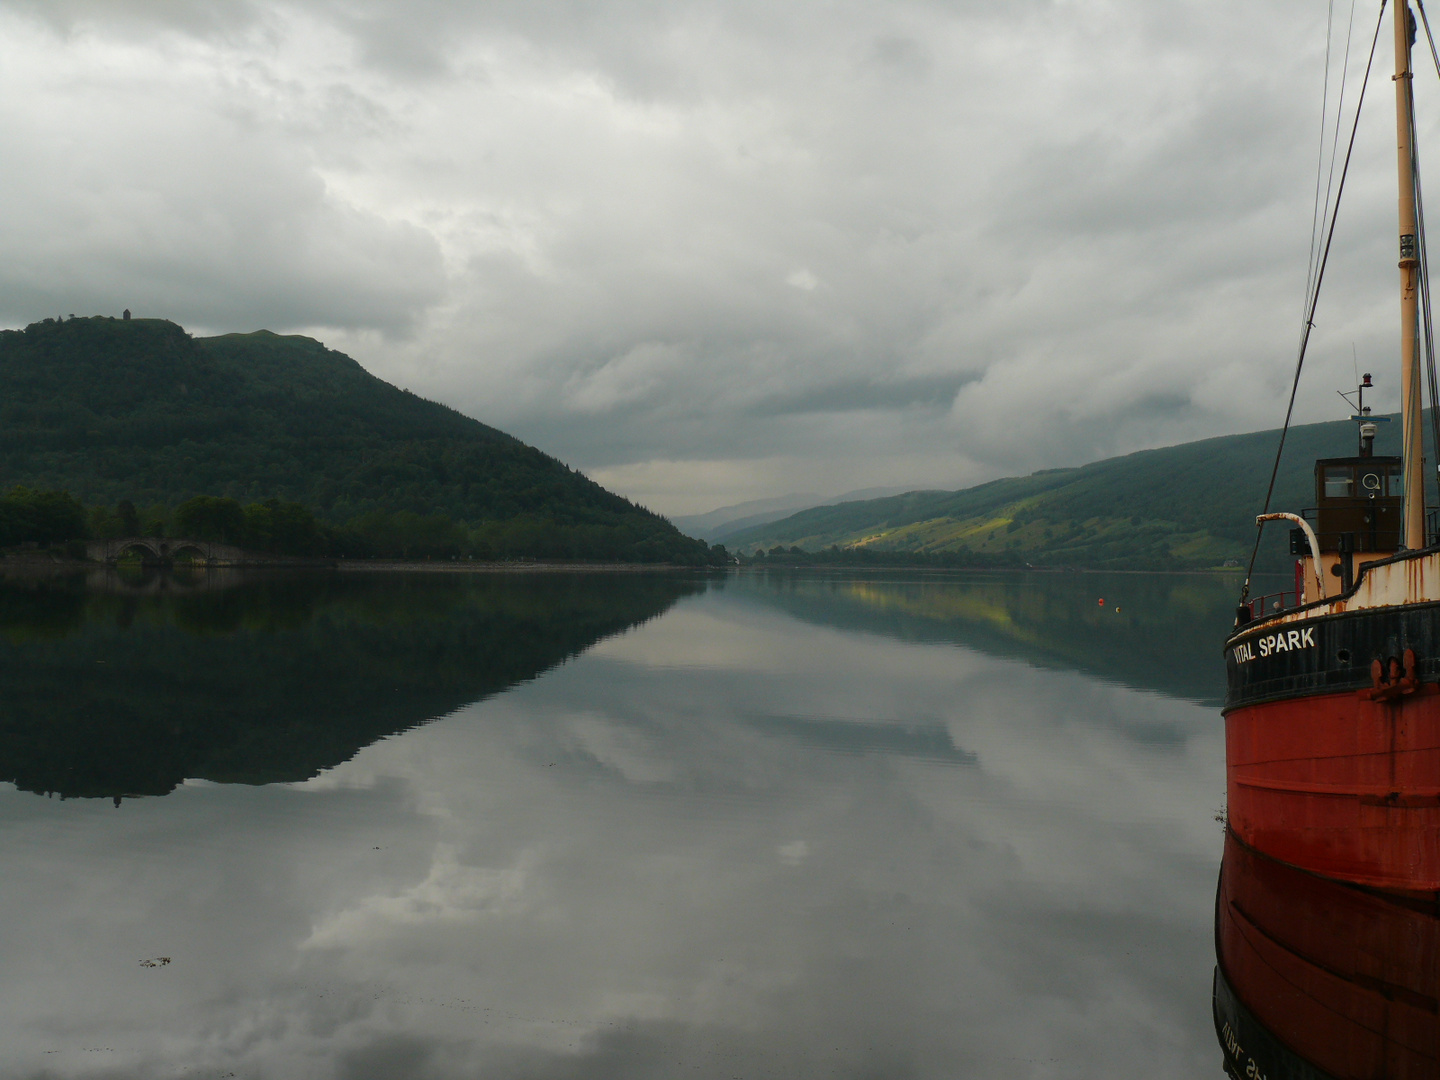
(699, 849)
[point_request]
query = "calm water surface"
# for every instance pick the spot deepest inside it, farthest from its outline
(609, 826)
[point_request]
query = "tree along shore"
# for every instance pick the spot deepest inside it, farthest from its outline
(56, 522)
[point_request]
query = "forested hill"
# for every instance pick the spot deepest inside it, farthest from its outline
(138, 410)
(1186, 506)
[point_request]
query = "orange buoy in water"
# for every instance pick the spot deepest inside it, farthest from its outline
(1102, 601)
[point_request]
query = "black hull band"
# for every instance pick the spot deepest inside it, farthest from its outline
(1329, 654)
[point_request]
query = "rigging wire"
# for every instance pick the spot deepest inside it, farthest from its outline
(1431, 377)
(1321, 211)
(1316, 222)
(1313, 300)
(1422, 251)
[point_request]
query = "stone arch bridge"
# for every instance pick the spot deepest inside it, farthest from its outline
(165, 551)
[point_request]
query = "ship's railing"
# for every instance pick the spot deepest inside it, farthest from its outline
(1270, 603)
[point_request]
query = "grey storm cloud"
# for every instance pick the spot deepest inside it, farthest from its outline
(859, 395)
(722, 250)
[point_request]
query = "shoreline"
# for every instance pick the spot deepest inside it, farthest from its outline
(1203, 570)
(383, 566)
(32, 563)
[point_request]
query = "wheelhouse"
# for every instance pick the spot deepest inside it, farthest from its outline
(1359, 504)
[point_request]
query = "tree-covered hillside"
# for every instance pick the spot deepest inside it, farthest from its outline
(1185, 506)
(138, 410)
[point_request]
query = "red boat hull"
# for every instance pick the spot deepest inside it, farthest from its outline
(1341, 786)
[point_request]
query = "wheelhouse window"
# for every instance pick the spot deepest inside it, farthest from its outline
(1339, 481)
(1396, 477)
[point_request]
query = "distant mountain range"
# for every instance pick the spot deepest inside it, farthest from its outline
(716, 525)
(1179, 507)
(110, 409)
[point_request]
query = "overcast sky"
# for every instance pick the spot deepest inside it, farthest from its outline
(725, 249)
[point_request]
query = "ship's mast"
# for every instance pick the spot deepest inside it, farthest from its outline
(1413, 447)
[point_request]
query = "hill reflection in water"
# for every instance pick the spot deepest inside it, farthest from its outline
(113, 687)
(1159, 632)
(729, 842)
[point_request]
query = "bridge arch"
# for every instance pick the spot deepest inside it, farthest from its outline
(162, 551)
(150, 551)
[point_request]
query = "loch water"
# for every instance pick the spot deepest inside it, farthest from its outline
(545, 826)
